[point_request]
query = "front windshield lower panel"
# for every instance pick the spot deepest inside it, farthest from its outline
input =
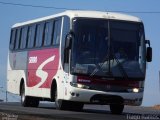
(108, 48)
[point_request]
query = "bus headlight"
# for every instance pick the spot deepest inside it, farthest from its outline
(135, 90)
(78, 85)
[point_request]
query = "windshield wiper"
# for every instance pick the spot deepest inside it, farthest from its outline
(121, 68)
(99, 67)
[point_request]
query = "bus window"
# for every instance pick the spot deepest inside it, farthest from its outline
(18, 36)
(31, 36)
(12, 39)
(24, 37)
(48, 33)
(39, 34)
(57, 31)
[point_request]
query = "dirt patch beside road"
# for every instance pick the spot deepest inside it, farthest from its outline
(157, 107)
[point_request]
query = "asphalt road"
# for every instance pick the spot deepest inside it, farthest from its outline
(47, 111)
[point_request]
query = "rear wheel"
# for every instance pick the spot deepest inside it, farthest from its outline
(24, 98)
(27, 101)
(116, 108)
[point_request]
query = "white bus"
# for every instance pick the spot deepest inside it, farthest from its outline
(79, 57)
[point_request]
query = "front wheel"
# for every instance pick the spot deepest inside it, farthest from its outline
(116, 108)
(76, 106)
(67, 105)
(59, 104)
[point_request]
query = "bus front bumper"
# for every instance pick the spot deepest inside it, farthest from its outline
(100, 97)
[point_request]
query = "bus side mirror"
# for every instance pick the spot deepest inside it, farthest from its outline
(149, 52)
(68, 44)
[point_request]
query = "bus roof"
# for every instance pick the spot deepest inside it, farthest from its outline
(80, 13)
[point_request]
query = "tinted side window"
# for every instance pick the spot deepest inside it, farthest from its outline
(48, 33)
(31, 36)
(39, 34)
(18, 36)
(57, 31)
(12, 39)
(24, 37)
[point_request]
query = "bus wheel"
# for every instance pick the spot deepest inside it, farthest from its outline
(116, 108)
(24, 99)
(67, 105)
(75, 106)
(34, 102)
(60, 104)
(27, 101)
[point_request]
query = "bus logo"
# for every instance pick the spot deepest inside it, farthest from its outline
(33, 59)
(41, 73)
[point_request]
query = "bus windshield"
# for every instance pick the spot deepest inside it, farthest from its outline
(108, 48)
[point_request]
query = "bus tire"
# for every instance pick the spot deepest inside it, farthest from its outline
(27, 101)
(75, 106)
(34, 102)
(24, 99)
(59, 104)
(64, 104)
(116, 108)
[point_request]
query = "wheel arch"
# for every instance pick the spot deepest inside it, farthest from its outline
(21, 83)
(53, 88)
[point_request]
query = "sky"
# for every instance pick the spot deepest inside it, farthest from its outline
(11, 14)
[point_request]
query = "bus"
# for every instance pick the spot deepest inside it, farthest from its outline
(79, 57)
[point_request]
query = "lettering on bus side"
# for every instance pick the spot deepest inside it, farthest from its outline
(33, 59)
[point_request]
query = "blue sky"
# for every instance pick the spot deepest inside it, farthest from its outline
(12, 14)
